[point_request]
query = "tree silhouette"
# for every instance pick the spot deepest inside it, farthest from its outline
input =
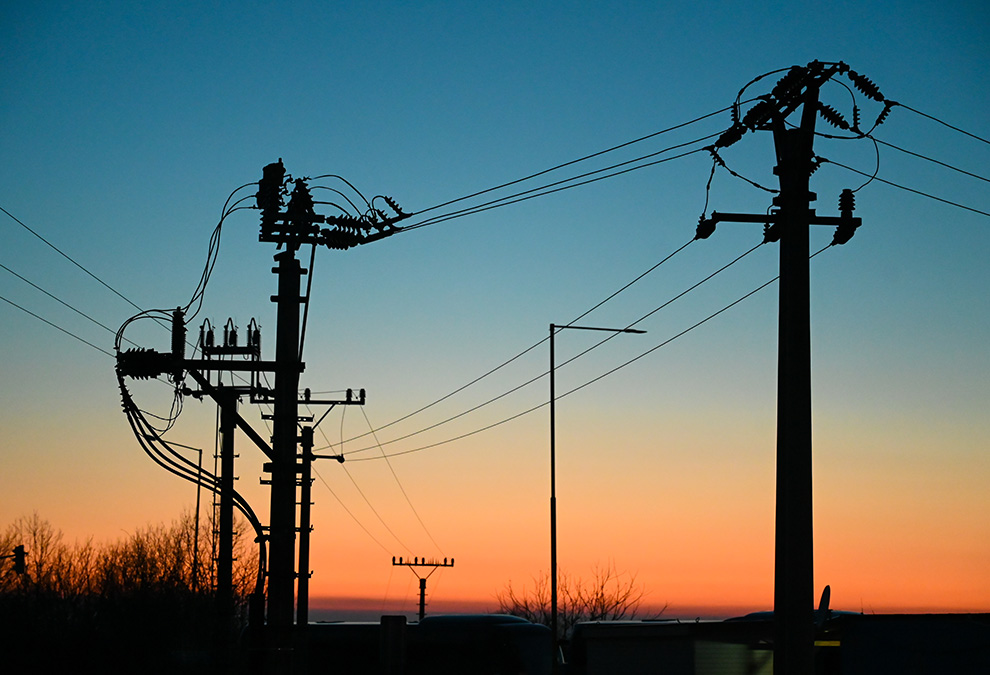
(609, 595)
(134, 605)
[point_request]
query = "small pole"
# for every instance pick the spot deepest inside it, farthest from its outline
(422, 598)
(305, 525)
(422, 562)
(225, 522)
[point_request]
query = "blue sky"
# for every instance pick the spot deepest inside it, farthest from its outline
(128, 124)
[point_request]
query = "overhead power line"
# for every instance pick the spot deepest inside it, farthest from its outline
(904, 187)
(62, 302)
(575, 389)
(931, 159)
(564, 184)
(574, 161)
(71, 260)
(943, 123)
(519, 355)
(57, 327)
(545, 373)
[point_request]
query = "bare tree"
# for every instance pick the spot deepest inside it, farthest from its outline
(134, 604)
(609, 595)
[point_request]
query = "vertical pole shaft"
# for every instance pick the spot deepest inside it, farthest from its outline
(281, 567)
(794, 558)
(422, 598)
(553, 508)
(199, 477)
(305, 526)
(225, 520)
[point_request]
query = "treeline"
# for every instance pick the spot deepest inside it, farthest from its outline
(144, 603)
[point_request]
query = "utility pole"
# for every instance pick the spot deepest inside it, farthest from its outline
(225, 522)
(292, 228)
(281, 561)
(433, 563)
(789, 223)
(305, 494)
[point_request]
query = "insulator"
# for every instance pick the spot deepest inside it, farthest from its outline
(350, 395)
(392, 204)
(843, 233)
(757, 114)
(785, 84)
(143, 364)
(771, 233)
(866, 85)
(269, 195)
(730, 136)
(340, 239)
(847, 202)
(882, 117)
(361, 395)
(706, 227)
(734, 114)
(178, 333)
(832, 116)
(300, 207)
(210, 337)
(856, 118)
(229, 334)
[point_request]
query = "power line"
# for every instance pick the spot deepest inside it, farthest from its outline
(520, 354)
(930, 159)
(399, 483)
(574, 161)
(579, 387)
(946, 124)
(62, 302)
(348, 511)
(559, 186)
(70, 259)
(579, 355)
(373, 509)
(903, 187)
(69, 333)
(323, 433)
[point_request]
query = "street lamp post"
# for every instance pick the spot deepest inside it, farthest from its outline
(553, 478)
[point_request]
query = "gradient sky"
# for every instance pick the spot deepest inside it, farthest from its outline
(126, 125)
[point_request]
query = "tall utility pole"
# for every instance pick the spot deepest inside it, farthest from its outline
(282, 540)
(794, 585)
(789, 223)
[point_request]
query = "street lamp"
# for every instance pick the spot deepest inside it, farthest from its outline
(553, 479)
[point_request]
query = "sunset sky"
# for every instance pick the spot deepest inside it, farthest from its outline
(127, 125)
